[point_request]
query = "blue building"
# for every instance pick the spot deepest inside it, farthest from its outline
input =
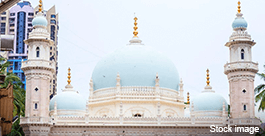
(19, 23)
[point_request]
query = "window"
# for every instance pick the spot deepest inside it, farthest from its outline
(16, 65)
(23, 77)
(3, 13)
(36, 106)
(3, 30)
(242, 54)
(244, 91)
(36, 89)
(12, 25)
(11, 20)
(53, 22)
(53, 16)
(245, 107)
(30, 19)
(3, 24)
(37, 52)
(3, 18)
(137, 115)
(12, 14)
(31, 14)
(29, 25)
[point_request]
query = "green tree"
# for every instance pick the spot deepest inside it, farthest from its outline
(260, 92)
(19, 96)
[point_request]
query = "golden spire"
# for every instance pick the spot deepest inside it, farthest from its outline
(135, 32)
(188, 98)
(239, 7)
(69, 76)
(40, 6)
(208, 78)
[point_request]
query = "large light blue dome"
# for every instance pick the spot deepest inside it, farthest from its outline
(137, 66)
(240, 23)
(39, 20)
(68, 100)
(209, 101)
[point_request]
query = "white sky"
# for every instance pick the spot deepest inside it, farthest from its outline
(190, 32)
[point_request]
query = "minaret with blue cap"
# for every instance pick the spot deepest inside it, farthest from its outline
(241, 69)
(38, 70)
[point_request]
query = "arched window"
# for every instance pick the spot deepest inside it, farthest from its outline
(242, 54)
(36, 106)
(245, 107)
(37, 52)
(137, 115)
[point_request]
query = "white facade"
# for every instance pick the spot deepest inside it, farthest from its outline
(134, 110)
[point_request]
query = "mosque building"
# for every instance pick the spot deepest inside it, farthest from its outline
(136, 95)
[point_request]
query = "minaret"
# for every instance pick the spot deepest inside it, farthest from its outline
(38, 70)
(241, 70)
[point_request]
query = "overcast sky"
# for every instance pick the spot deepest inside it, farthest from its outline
(190, 32)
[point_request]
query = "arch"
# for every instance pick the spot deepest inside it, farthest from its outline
(242, 54)
(164, 112)
(37, 52)
(137, 110)
(104, 112)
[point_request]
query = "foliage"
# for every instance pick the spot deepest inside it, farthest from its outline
(19, 96)
(260, 92)
(261, 132)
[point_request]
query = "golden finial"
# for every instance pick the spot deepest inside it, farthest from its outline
(239, 7)
(69, 76)
(40, 6)
(135, 32)
(208, 78)
(188, 98)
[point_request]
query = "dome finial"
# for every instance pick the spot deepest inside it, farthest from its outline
(40, 6)
(135, 32)
(208, 78)
(69, 76)
(188, 98)
(239, 7)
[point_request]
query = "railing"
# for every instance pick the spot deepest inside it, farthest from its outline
(38, 62)
(24, 120)
(238, 121)
(240, 35)
(133, 92)
(241, 65)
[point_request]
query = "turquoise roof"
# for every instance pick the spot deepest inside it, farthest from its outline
(209, 101)
(39, 20)
(240, 23)
(137, 66)
(68, 100)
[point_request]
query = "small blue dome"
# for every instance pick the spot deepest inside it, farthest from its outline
(137, 66)
(68, 100)
(240, 23)
(39, 20)
(209, 101)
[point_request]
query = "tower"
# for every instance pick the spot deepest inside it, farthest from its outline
(241, 70)
(38, 70)
(52, 27)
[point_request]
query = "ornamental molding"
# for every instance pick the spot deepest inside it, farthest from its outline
(241, 78)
